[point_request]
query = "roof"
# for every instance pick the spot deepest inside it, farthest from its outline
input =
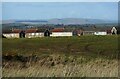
(87, 28)
(78, 31)
(58, 30)
(34, 30)
(96, 28)
(11, 31)
(31, 30)
(16, 31)
(19, 30)
(41, 30)
(6, 31)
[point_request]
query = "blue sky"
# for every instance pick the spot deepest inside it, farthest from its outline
(49, 10)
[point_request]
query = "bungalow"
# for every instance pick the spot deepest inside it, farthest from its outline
(77, 32)
(88, 30)
(98, 30)
(31, 33)
(106, 31)
(28, 33)
(11, 33)
(56, 32)
(113, 31)
(100, 33)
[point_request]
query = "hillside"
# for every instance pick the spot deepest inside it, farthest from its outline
(61, 21)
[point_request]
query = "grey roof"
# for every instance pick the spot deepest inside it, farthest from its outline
(96, 28)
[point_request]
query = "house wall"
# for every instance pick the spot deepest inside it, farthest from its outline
(114, 30)
(88, 33)
(12, 35)
(33, 35)
(54, 34)
(100, 33)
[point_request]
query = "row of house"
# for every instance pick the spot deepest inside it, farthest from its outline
(56, 32)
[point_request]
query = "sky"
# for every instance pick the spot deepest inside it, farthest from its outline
(50, 10)
(60, 0)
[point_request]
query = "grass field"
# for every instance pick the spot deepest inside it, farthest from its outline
(84, 56)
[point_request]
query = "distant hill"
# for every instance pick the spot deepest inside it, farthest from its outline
(61, 21)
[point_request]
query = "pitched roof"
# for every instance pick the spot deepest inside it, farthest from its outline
(16, 31)
(31, 30)
(6, 31)
(11, 31)
(96, 28)
(58, 30)
(41, 30)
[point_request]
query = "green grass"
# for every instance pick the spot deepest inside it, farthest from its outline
(88, 45)
(84, 56)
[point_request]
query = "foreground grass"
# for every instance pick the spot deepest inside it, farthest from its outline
(85, 56)
(90, 69)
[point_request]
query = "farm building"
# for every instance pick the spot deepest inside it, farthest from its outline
(114, 30)
(57, 32)
(60, 32)
(100, 33)
(77, 32)
(47, 33)
(97, 31)
(31, 33)
(88, 30)
(107, 31)
(11, 33)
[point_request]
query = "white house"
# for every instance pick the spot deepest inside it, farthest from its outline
(88, 32)
(60, 32)
(31, 33)
(11, 33)
(100, 33)
(114, 30)
(56, 34)
(28, 33)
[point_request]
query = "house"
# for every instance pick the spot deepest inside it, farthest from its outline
(56, 32)
(28, 33)
(114, 31)
(100, 33)
(31, 33)
(92, 30)
(109, 32)
(22, 34)
(47, 33)
(11, 33)
(88, 30)
(106, 30)
(77, 32)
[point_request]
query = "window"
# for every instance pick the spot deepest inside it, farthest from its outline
(37, 33)
(32, 34)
